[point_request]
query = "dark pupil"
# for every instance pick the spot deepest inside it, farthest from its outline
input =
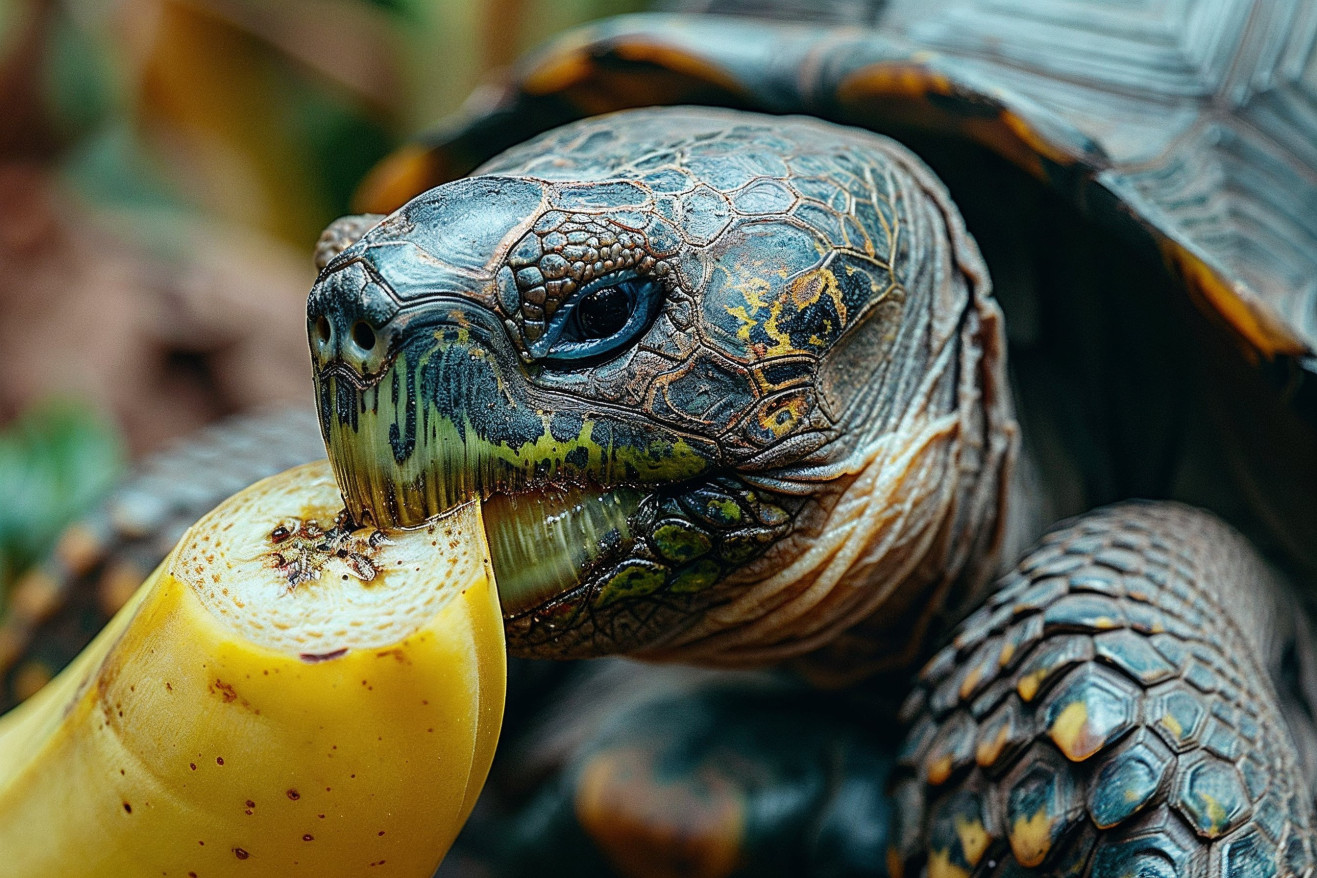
(603, 312)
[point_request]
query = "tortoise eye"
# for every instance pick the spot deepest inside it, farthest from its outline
(603, 312)
(601, 320)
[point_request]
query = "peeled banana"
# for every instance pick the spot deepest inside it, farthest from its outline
(282, 696)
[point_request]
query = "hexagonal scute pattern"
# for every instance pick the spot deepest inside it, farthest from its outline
(1107, 712)
(769, 245)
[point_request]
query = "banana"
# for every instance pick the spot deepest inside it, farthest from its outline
(281, 697)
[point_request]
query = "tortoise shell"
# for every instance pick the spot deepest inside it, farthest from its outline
(1186, 129)
(1196, 123)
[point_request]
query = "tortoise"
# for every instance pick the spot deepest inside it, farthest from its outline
(953, 360)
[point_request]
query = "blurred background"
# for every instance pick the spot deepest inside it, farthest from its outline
(165, 168)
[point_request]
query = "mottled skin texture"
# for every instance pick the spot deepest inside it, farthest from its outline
(815, 408)
(813, 412)
(1129, 700)
(1114, 706)
(1134, 698)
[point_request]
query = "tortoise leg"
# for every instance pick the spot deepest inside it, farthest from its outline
(651, 772)
(1118, 707)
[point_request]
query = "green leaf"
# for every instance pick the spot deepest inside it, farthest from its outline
(56, 461)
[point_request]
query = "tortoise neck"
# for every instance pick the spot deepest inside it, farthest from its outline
(887, 557)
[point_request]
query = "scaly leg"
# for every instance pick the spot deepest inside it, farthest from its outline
(653, 772)
(1124, 704)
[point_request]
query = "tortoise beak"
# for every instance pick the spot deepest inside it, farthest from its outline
(426, 398)
(420, 414)
(433, 421)
(426, 409)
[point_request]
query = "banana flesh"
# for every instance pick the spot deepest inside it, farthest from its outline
(275, 700)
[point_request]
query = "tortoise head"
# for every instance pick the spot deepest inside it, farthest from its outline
(730, 384)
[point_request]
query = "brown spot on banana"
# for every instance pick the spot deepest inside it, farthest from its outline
(162, 771)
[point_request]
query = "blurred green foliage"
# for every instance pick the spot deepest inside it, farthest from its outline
(55, 462)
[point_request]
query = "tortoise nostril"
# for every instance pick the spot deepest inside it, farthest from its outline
(322, 329)
(363, 335)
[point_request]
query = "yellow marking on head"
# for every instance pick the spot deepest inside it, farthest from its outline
(940, 866)
(1071, 733)
(753, 291)
(811, 286)
(781, 419)
(1028, 685)
(743, 315)
(800, 294)
(1173, 725)
(974, 839)
(783, 345)
(1031, 838)
(1007, 653)
(1105, 623)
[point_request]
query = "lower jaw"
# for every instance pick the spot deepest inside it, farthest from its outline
(542, 538)
(541, 542)
(400, 465)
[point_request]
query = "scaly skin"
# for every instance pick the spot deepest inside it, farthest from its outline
(1115, 708)
(675, 532)
(806, 334)
(801, 350)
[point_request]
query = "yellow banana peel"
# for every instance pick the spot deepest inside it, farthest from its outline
(279, 698)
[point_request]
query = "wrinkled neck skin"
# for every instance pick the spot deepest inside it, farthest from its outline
(894, 539)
